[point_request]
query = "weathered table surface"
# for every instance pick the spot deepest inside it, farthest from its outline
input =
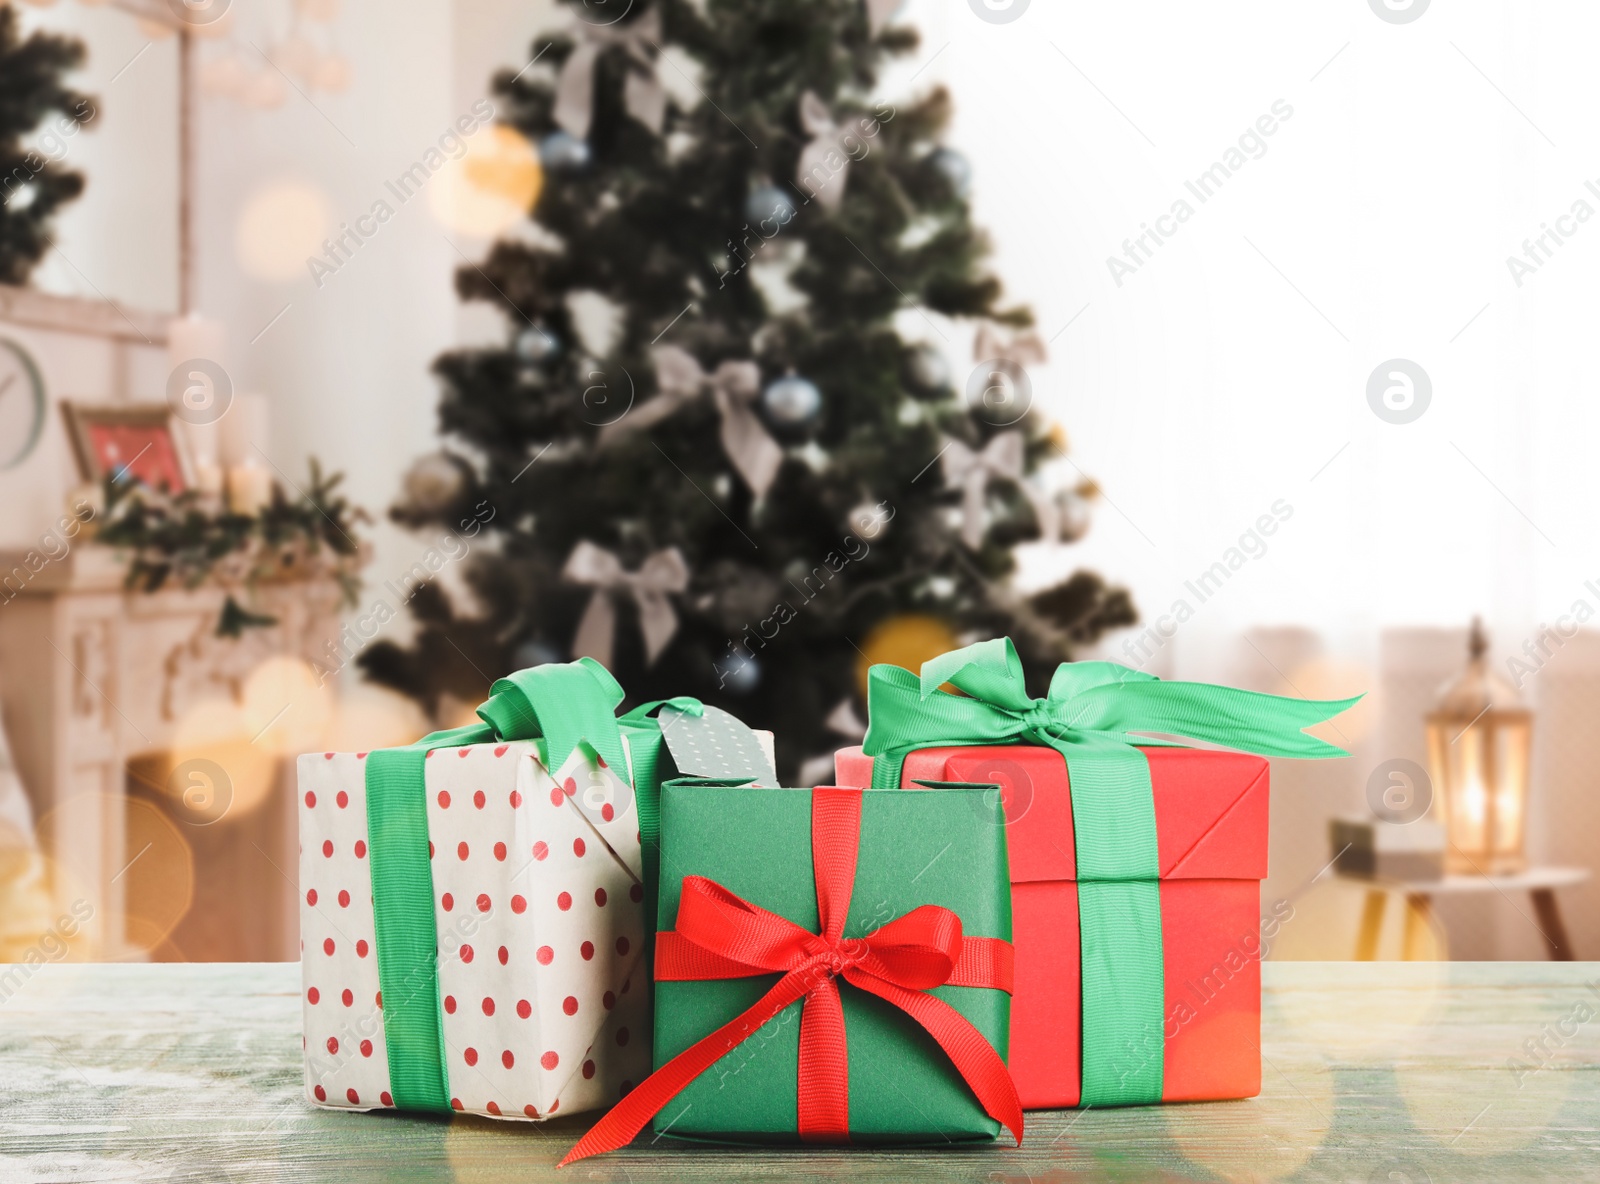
(1373, 1072)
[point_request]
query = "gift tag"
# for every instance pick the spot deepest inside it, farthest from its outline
(716, 744)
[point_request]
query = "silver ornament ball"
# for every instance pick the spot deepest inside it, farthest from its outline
(771, 205)
(432, 483)
(563, 152)
(534, 653)
(791, 400)
(870, 520)
(927, 371)
(537, 344)
(955, 168)
(738, 674)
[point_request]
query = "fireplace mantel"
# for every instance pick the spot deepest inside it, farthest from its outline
(96, 676)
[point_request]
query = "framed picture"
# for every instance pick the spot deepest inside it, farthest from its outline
(136, 441)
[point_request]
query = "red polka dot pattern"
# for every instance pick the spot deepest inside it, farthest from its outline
(521, 1045)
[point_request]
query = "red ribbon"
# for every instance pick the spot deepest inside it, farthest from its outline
(720, 935)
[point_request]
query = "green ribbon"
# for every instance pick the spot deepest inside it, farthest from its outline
(561, 705)
(1090, 717)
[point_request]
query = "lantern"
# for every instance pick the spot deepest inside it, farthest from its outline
(1479, 742)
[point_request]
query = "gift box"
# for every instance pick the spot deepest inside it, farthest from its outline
(1135, 865)
(831, 966)
(537, 904)
(473, 924)
(1211, 827)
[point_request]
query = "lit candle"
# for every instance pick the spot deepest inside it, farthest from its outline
(249, 488)
(195, 338)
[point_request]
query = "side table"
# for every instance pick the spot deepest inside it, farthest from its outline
(1539, 882)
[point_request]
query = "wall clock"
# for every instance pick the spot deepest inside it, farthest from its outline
(22, 404)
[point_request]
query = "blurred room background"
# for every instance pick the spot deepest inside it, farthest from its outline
(1232, 367)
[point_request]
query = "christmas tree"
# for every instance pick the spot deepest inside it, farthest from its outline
(32, 184)
(759, 475)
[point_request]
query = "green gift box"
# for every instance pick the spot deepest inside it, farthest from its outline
(832, 965)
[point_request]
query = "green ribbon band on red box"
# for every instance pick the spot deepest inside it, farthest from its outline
(562, 705)
(1089, 716)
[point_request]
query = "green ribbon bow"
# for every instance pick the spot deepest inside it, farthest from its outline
(559, 705)
(1090, 717)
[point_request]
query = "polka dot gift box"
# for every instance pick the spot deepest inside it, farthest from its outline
(472, 925)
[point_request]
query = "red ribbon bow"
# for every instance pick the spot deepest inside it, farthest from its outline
(720, 935)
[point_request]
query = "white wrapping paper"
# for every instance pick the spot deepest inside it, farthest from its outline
(538, 908)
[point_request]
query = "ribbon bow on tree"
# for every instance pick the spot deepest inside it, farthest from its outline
(1025, 349)
(720, 935)
(817, 122)
(734, 387)
(1002, 459)
(1091, 716)
(663, 572)
(879, 13)
(642, 92)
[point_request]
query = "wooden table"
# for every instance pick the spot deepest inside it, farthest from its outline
(1539, 883)
(1373, 1072)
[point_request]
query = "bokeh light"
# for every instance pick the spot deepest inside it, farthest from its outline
(281, 226)
(908, 640)
(493, 185)
(1268, 1139)
(368, 717)
(219, 731)
(285, 708)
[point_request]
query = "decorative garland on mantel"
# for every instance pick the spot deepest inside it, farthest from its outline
(189, 540)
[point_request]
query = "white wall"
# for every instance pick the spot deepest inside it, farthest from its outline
(1205, 387)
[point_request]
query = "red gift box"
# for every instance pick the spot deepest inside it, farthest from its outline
(1211, 829)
